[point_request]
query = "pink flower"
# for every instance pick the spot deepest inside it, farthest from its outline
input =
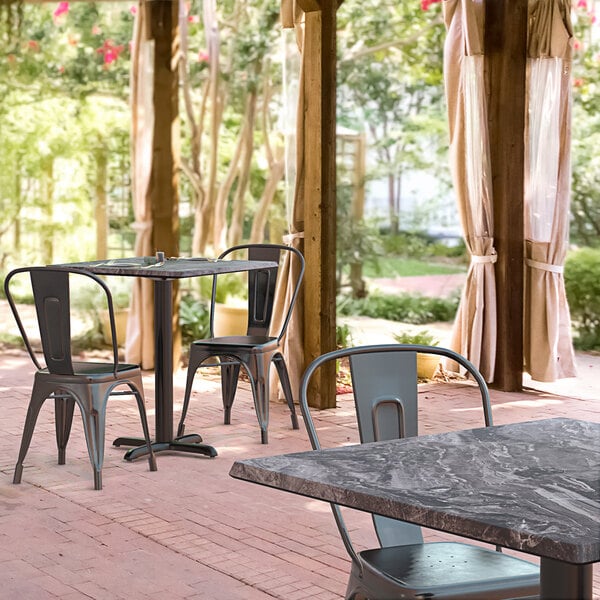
(110, 52)
(577, 45)
(60, 10)
(33, 46)
(133, 10)
(203, 56)
(96, 30)
(582, 4)
(194, 19)
(426, 4)
(578, 82)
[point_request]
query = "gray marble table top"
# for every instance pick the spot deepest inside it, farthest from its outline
(170, 268)
(532, 486)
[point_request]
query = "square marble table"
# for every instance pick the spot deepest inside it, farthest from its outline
(164, 272)
(533, 487)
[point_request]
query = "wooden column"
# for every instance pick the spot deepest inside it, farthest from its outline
(505, 49)
(320, 192)
(164, 179)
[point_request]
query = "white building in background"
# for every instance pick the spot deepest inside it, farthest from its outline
(426, 206)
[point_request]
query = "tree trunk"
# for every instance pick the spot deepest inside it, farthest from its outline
(262, 210)
(236, 228)
(101, 212)
(47, 242)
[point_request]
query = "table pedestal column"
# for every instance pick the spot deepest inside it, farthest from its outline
(565, 581)
(163, 383)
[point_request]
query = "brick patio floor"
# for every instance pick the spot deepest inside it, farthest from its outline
(189, 531)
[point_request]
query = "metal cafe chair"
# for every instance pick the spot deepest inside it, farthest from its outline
(384, 383)
(66, 380)
(260, 346)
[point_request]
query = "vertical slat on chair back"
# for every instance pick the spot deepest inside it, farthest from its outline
(52, 304)
(387, 380)
(261, 290)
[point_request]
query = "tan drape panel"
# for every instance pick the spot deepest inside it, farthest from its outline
(293, 342)
(139, 347)
(547, 329)
(474, 332)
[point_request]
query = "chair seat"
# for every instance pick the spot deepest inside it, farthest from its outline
(450, 564)
(92, 371)
(260, 342)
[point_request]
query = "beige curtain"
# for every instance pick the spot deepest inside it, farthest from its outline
(474, 332)
(139, 347)
(548, 351)
(293, 343)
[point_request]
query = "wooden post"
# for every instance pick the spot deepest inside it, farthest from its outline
(505, 49)
(164, 187)
(320, 193)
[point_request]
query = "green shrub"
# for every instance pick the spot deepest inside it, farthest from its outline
(420, 337)
(582, 284)
(194, 318)
(343, 336)
(405, 308)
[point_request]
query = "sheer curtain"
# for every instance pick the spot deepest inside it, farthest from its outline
(547, 329)
(139, 347)
(293, 343)
(474, 332)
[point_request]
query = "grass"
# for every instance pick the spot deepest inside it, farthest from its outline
(408, 267)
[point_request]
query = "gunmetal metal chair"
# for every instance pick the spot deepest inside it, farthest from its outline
(68, 381)
(384, 382)
(259, 347)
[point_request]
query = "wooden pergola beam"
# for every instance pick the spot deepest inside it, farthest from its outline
(505, 50)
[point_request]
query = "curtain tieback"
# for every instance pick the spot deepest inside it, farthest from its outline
(544, 266)
(487, 258)
(290, 237)
(141, 225)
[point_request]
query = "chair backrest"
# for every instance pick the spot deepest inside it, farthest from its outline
(385, 389)
(52, 297)
(262, 285)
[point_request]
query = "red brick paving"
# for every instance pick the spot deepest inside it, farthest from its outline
(189, 531)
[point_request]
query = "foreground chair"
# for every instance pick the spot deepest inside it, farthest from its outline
(384, 383)
(66, 381)
(259, 346)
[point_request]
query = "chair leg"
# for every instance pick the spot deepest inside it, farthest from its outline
(355, 589)
(191, 372)
(145, 428)
(94, 428)
(230, 372)
(258, 369)
(286, 387)
(35, 404)
(63, 410)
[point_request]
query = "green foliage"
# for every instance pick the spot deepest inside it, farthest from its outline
(585, 198)
(392, 266)
(419, 337)
(405, 308)
(582, 284)
(64, 111)
(390, 83)
(194, 318)
(343, 336)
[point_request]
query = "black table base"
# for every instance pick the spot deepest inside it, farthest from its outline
(186, 443)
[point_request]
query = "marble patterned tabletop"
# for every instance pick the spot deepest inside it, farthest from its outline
(532, 486)
(169, 268)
